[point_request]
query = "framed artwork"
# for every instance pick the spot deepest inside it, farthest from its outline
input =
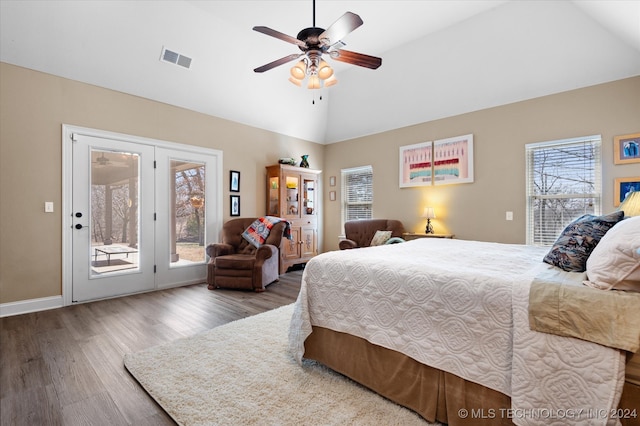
(332, 181)
(453, 160)
(234, 181)
(332, 195)
(624, 186)
(416, 165)
(235, 205)
(626, 149)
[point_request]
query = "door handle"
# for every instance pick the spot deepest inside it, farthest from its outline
(79, 226)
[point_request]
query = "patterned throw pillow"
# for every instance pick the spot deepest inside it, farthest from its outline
(380, 238)
(573, 247)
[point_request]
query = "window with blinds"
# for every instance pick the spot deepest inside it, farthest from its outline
(563, 183)
(357, 193)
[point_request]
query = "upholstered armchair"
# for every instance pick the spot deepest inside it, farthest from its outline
(359, 233)
(236, 263)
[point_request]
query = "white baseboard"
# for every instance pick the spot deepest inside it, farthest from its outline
(31, 305)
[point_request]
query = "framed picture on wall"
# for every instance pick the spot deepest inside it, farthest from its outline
(623, 187)
(234, 181)
(416, 166)
(235, 205)
(626, 149)
(453, 160)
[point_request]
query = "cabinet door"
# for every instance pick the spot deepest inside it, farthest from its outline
(291, 248)
(291, 189)
(308, 240)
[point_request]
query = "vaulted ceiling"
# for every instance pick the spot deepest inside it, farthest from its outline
(440, 58)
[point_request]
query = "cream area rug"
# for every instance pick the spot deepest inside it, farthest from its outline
(241, 373)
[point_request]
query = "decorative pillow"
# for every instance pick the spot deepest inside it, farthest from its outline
(615, 262)
(380, 238)
(394, 240)
(574, 245)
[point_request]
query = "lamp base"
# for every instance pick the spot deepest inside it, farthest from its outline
(429, 228)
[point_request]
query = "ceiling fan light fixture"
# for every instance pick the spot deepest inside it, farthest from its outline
(299, 70)
(314, 82)
(295, 81)
(324, 70)
(331, 81)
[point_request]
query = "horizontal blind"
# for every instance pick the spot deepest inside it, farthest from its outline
(357, 185)
(563, 183)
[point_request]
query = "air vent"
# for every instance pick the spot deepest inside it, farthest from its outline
(175, 58)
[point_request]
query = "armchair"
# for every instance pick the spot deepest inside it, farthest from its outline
(359, 233)
(235, 263)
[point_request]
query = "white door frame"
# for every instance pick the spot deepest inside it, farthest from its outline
(213, 205)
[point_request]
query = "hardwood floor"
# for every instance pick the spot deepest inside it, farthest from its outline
(65, 366)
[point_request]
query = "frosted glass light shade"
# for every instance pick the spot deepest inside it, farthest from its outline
(299, 70)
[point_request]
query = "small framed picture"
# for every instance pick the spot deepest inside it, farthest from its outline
(235, 205)
(623, 187)
(626, 149)
(234, 181)
(332, 195)
(332, 181)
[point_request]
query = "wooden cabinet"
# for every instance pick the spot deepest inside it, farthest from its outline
(293, 194)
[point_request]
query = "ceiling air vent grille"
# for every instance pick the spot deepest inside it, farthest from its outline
(175, 58)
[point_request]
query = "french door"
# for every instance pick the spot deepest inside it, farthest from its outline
(141, 214)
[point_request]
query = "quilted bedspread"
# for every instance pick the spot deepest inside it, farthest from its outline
(462, 307)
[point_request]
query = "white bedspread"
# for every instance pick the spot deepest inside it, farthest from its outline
(460, 306)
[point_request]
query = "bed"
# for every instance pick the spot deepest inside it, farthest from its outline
(444, 328)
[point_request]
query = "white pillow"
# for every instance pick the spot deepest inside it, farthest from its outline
(614, 264)
(380, 238)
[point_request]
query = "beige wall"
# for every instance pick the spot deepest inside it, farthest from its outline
(477, 210)
(33, 107)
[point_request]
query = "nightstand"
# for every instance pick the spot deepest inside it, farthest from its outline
(412, 236)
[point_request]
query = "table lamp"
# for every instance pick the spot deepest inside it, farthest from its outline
(429, 214)
(631, 204)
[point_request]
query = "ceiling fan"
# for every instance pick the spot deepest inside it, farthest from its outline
(314, 42)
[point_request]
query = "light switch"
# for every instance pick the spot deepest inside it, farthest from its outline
(48, 206)
(509, 216)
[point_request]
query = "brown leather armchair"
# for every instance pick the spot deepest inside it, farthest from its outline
(236, 263)
(359, 233)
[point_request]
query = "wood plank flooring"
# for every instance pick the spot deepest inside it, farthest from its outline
(65, 366)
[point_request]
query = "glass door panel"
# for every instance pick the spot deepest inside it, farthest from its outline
(309, 196)
(292, 196)
(188, 214)
(115, 183)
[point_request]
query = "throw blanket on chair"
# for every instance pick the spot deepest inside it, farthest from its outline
(258, 232)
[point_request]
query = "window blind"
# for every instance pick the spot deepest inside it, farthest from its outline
(357, 190)
(563, 183)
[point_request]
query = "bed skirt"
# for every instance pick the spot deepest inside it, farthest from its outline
(433, 394)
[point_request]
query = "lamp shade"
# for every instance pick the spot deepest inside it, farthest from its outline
(299, 70)
(631, 204)
(314, 82)
(324, 70)
(429, 213)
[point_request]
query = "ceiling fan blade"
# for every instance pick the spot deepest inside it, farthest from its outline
(277, 34)
(278, 62)
(343, 26)
(354, 58)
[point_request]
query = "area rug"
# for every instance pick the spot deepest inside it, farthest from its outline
(241, 373)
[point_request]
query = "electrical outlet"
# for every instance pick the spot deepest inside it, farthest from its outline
(509, 216)
(48, 206)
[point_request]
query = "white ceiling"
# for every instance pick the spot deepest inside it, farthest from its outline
(440, 58)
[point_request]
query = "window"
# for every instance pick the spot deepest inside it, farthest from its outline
(357, 190)
(563, 183)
